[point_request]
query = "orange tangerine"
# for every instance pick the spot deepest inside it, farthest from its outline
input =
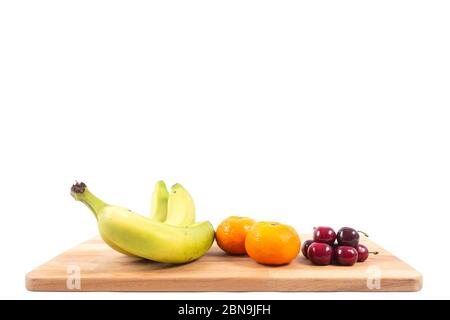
(231, 233)
(272, 243)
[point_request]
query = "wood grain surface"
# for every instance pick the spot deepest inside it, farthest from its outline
(93, 266)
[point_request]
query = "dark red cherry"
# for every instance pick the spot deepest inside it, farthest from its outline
(347, 237)
(346, 256)
(324, 235)
(305, 247)
(320, 253)
(363, 252)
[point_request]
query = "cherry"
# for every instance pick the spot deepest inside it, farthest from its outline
(363, 252)
(305, 247)
(324, 235)
(348, 237)
(346, 256)
(320, 253)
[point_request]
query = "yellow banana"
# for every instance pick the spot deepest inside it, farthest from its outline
(160, 197)
(131, 233)
(181, 208)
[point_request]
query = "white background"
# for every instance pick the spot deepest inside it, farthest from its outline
(309, 113)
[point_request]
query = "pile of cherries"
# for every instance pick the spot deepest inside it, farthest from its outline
(342, 247)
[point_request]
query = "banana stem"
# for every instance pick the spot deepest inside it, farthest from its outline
(81, 193)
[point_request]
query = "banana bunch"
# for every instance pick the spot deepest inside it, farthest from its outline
(168, 235)
(176, 209)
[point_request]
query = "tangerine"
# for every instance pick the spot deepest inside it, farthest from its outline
(272, 243)
(231, 233)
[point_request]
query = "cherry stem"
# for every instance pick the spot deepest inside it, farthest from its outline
(374, 252)
(365, 234)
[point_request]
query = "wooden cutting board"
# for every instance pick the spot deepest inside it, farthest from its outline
(93, 266)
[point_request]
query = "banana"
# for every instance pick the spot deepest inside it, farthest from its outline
(160, 198)
(131, 233)
(181, 208)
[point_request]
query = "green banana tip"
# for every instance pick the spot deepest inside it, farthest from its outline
(161, 183)
(176, 187)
